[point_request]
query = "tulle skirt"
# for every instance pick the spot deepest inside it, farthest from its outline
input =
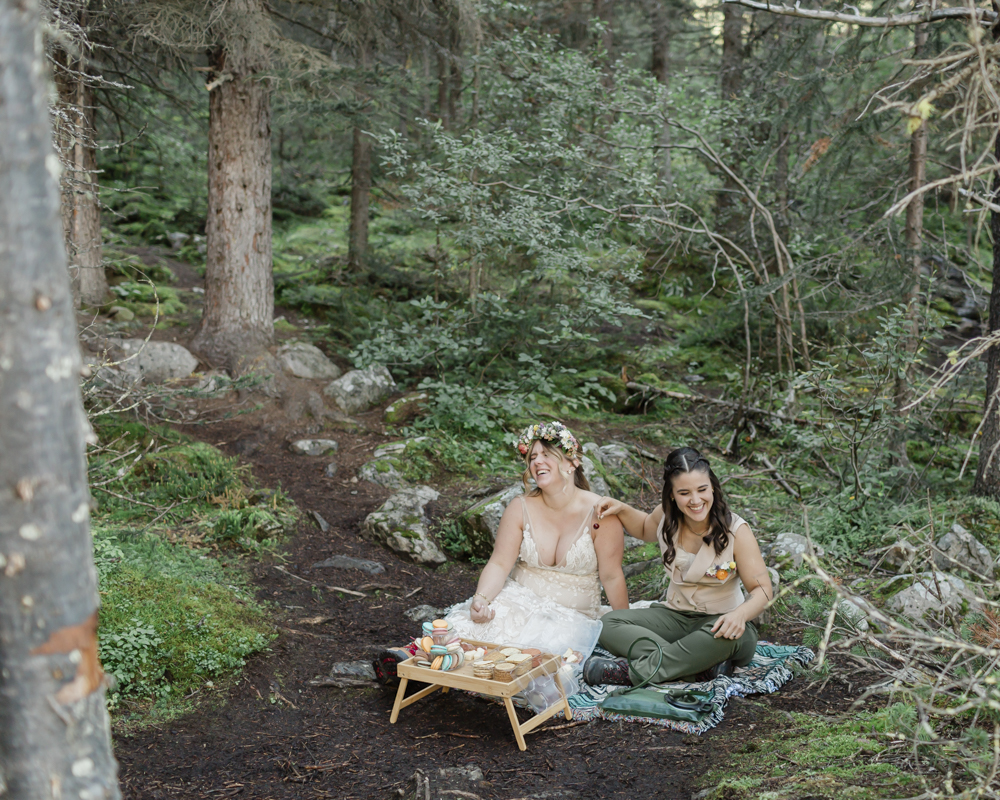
(526, 619)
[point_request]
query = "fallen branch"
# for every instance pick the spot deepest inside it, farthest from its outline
(345, 591)
(310, 583)
(700, 398)
(367, 587)
(983, 15)
(778, 479)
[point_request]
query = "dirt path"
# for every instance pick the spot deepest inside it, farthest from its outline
(273, 735)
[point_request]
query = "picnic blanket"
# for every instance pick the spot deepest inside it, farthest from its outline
(766, 674)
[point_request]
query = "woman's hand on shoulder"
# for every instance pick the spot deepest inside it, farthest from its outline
(606, 506)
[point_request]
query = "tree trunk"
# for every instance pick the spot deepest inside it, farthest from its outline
(455, 93)
(732, 51)
(81, 209)
(914, 235)
(361, 185)
(443, 94)
(660, 67)
(988, 472)
(55, 738)
(731, 83)
(237, 323)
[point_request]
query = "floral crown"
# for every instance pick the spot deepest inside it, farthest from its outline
(553, 432)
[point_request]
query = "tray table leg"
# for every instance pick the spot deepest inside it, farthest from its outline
(565, 699)
(401, 703)
(399, 700)
(514, 723)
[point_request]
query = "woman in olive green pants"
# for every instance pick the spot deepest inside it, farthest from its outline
(704, 627)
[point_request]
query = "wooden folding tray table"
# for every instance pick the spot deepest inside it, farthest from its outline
(462, 678)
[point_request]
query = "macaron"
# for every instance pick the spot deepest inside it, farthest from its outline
(440, 623)
(426, 644)
(436, 663)
(438, 650)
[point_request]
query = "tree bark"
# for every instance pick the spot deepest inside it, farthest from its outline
(55, 736)
(914, 235)
(660, 23)
(732, 51)
(988, 471)
(361, 185)
(443, 93)
(731, 74)
(237, 322)
(81, 209)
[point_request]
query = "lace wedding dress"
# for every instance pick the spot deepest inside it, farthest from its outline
(549, 607)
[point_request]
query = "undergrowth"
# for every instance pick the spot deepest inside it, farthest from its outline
(800, 755)
(175, 518)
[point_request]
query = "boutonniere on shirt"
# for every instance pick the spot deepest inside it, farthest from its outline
(721, 571)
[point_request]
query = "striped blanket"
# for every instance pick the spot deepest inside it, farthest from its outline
(766, 674)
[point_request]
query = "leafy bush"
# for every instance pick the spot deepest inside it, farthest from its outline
(171, 619)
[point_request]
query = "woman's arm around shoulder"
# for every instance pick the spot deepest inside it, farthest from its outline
(637, 524)
(609, 543)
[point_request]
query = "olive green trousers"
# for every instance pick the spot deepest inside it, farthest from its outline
(684, 637)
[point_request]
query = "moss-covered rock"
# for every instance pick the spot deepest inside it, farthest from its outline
(408, 408)
(401, 525)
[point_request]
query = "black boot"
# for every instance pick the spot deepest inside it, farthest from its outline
(600, 671)
(385, 665)
(710, 674)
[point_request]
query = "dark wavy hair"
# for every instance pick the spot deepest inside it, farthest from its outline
(687, 459)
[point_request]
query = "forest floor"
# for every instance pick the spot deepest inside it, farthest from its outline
(273, 734)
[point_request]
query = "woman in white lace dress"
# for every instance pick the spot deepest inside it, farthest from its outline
(542, 585)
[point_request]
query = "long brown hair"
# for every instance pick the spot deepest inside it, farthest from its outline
(578, 477)
(682, 460)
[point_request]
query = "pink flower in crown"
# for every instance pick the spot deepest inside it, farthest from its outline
(523, 449)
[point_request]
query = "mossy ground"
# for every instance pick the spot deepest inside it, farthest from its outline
(173, 517)
(800, 755)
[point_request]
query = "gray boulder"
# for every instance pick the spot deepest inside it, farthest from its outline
(480, 521)
(348, 675)
(384, 472)
(853, 616)
(360, 389)
(407, 408)
(396, 448)
(402, 525)
(594, 477)
(929, 594)
(900, 556)
(959, 548)
(614, 455)
(307, 361)
(349, 562)
(425, 613)
(789, 548)
(121, 376)
(313, 447)
(160, 361)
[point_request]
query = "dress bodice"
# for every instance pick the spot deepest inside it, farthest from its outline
(574, 582)
(580, 559)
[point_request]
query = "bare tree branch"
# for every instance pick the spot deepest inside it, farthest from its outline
(985, 16)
